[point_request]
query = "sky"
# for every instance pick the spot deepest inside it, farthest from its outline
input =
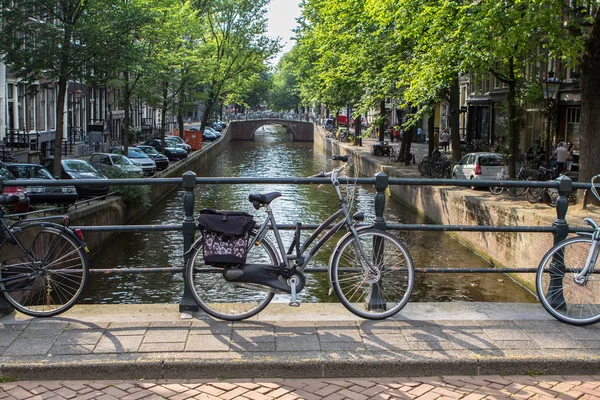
(282, 19)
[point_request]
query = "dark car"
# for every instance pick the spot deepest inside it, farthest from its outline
(79, 169)
(208, 136)
(138, 158)
(161, 161)
(64, 194)
(176, 141)
(172, 153)
(23, 204)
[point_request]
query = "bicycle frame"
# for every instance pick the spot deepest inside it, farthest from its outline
(581, 278)
(302, 261)
(287, 256)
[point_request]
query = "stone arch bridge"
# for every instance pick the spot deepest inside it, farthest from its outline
(301, 131)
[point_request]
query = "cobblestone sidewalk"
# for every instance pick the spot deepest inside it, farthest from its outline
(445, 387)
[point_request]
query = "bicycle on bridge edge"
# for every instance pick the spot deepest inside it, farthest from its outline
(370, 270)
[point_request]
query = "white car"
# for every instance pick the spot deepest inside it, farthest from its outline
(480, 166)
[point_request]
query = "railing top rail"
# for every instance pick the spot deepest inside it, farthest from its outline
(291, 180)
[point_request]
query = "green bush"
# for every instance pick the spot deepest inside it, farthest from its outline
(136, 195)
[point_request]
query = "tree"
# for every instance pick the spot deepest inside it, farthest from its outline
(235, 36)
(590, 110)
(56, 41)
(508, 38)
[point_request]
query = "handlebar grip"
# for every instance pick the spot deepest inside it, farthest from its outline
(340, 158)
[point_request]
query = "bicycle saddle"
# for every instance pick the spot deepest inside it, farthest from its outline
(259, 199)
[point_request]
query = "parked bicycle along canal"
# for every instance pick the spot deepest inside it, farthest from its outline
(272, 155)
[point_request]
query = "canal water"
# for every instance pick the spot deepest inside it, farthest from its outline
(271, 154)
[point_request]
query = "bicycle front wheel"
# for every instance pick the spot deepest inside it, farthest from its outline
(570, 300)
(496, 189)
(220, 298)
(53, 280)
(372, 294)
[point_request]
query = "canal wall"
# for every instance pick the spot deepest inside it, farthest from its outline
(114, 211)
(463, 206)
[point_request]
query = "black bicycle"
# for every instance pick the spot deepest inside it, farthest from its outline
(44, 265)
(370, 270)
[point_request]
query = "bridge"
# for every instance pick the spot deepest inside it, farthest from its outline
(301, 131)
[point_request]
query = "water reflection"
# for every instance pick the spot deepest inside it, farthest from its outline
(272, 155)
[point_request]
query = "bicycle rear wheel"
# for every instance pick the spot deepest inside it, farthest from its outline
(535, 194)
(516, 191)
(220, 298)
(372, 295)
(565, 299)
(51, 283)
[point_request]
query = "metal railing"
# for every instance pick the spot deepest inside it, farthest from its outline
(560, 229)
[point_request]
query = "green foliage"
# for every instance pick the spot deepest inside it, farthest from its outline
(136, 195)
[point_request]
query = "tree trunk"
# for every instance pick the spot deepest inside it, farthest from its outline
(381, 137)
(430, 130)
(209, 105)
(180, 111)
(589, 146)
(60, 125)
(357, 130)
(513, 122)
(163, 114)
(127, 121)
(406, 142)
(455, 120)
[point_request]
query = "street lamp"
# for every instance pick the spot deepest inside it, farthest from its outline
(550, 90)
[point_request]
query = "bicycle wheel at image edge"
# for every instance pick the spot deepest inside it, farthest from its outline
(54, 281)
(229, 300)
(566, 300)
(372, 295)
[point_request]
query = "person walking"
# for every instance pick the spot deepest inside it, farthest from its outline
(419, 135)
(562, 154)
(445, 140)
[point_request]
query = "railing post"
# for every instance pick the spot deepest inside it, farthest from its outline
(375, 298)
(189, 229)
(557, 269)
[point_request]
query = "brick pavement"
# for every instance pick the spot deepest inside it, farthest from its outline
(442, 387)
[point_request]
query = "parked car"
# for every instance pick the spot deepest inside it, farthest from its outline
(65, 194)
(109, 162)
(161, 161)
(79, 169)
(172, 153)
(179, 142)
(138, 158)
(216, 126)
(213, 131)
(209, 136)
(480, 166)
(23, 204)
(223, 124)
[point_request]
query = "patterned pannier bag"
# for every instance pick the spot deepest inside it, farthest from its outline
(225, 236)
